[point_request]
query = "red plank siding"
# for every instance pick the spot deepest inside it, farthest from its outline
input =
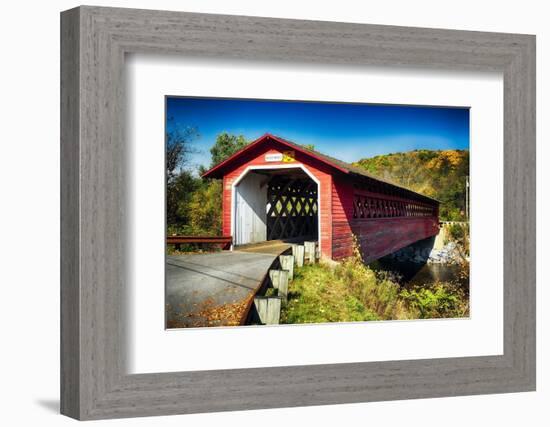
(342, 214)
(226, 207)
(376, 237)
(381, 236)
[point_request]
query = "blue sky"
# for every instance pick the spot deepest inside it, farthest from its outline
(346, 131)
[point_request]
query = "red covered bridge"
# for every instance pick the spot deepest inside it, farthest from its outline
(274, 189)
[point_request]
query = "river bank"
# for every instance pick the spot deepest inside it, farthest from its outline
(440, 259)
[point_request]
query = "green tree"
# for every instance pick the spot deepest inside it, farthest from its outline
(205, 207)
(179, 191)
(225, 146)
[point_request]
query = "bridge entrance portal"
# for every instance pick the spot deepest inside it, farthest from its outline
(276, 204)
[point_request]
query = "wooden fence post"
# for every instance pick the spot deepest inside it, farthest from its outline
(283, 285)
(273, 311)
(309, 248)
(275, 277)
(261, 308)
(298, 252)
(269, 309)
(279, 280)
(287, 263)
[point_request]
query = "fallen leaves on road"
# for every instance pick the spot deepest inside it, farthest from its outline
(208, 313)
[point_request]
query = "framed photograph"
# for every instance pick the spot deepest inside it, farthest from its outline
(262, 213)
(278, 207)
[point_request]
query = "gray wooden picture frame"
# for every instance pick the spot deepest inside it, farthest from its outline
(94, 382)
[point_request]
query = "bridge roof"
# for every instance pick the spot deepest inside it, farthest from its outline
(219, 170)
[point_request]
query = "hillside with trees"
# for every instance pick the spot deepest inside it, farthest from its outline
(441, 174)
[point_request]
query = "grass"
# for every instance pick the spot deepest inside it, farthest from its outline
(353, 292)
(192, 248)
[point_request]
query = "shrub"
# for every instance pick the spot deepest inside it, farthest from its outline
(440, 300)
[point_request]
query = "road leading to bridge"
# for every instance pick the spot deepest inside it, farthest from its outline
(212, 289)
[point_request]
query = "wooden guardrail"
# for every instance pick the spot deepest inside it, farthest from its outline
(177, 241)
(266, 310)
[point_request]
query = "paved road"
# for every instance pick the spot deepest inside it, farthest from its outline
(212, 289)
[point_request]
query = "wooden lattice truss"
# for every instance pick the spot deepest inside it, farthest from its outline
(377, 207)
(291, 208)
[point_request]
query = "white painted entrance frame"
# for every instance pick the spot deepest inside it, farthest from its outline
(251, 201)
(270, 167)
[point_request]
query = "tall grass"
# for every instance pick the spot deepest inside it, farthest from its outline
(351, 291)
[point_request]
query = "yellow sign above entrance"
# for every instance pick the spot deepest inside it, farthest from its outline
(289, 156)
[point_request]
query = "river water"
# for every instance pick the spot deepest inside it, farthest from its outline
(412, 274)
